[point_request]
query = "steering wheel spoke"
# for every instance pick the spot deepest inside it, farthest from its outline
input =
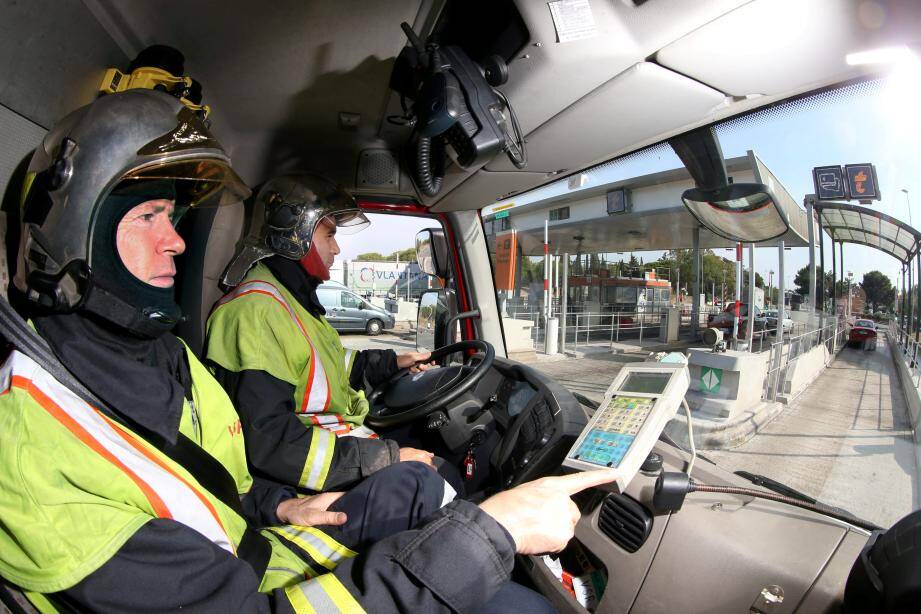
(406, 397)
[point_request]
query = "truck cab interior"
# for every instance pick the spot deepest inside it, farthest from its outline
(466, 104)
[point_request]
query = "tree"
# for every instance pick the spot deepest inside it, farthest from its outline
(801, 281)
(369, 256)
(879, 290)
(405, 255)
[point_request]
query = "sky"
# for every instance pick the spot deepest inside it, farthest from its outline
(878, 122)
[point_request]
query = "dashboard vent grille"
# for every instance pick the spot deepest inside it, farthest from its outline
(624, 521)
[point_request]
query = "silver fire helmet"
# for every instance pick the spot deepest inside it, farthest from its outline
(286, 213)
(103, 156)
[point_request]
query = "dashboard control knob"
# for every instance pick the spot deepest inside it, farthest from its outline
(652, 464)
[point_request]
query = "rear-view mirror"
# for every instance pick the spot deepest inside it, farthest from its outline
(746, 212)
(432, 252)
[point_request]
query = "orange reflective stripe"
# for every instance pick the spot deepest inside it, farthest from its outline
(169, 495)
(150, 456)
(321, 419)
(83, 435)
(317, 396)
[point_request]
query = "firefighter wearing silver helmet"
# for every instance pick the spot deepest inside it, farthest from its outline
(97, 163)
(298, 391)
(156, 490)
(286, 213)
(105, 513)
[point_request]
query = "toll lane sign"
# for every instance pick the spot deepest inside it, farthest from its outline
(853, 182)
(861, 182)
(710, 378)
(829, 182)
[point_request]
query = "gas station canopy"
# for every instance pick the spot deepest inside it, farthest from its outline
(853, 224)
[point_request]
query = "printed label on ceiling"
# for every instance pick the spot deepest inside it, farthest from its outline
(572, 19)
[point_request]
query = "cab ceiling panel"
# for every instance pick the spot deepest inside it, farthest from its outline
(804, 45)
(54, 55)
(485, 187)
(544, 80)
(280, 73)
(645, 99)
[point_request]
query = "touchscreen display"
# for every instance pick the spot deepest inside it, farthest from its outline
(651, 383)
(614, 431)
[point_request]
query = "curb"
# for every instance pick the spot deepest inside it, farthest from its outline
(719, 435)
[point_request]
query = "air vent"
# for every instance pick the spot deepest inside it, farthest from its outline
(624, 521)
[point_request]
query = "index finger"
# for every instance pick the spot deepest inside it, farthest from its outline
(579, 481)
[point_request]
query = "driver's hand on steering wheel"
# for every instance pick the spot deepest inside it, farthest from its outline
(409, 359)
(420, 456)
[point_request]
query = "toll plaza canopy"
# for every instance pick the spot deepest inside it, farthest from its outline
(651, 215)
(854, 224)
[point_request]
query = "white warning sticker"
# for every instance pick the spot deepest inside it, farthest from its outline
(572, 19)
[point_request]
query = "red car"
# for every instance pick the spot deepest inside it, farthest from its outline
(863, 333)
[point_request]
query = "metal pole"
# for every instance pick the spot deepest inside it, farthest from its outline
(546, 269)
(834, 280)
(911, 309)
(902, 306)
(564, 302)
(780, 289)
(556, 274)
(810, 220)
(919, 288)
(735, 321)
(824, 292)
(751, 295)
(695, 300)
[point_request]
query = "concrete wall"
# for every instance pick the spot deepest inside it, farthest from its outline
(804, 371)
(912, 395)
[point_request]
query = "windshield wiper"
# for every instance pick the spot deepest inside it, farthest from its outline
(782, 489)
(786, 491)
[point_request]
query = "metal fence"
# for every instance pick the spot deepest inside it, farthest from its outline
(909, 346)
(785, 354)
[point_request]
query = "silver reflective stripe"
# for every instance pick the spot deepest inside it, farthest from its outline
(348, 360)
(319, 453)
(182, 501)
(318, 598)
(449, 494)
(322, 549)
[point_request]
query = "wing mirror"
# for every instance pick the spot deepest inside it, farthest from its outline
(432, 252)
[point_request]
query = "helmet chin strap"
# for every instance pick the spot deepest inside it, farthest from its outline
(314, 265)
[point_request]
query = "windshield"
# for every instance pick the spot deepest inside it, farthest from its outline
(865, 323)
(841, 435)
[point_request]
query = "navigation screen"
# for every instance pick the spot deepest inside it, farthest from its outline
(651, 383)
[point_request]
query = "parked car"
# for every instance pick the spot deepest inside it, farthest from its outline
(863, 334)
(770, 321)
(346, 311)
(724, 319)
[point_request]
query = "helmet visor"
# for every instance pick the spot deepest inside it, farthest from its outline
(197, 183)
(349, 222)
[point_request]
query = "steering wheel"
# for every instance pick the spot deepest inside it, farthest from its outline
(407, 397)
